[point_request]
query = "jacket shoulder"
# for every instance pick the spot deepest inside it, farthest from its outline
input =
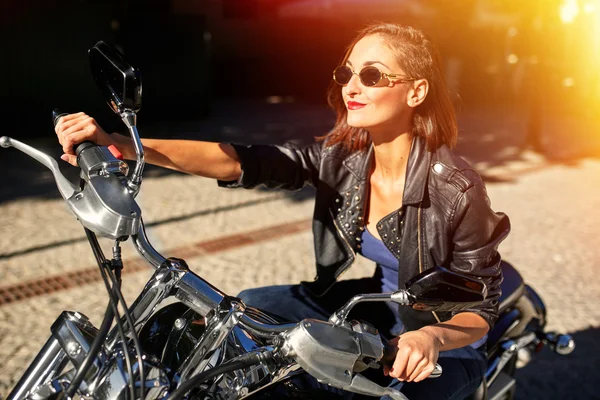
(448, 167)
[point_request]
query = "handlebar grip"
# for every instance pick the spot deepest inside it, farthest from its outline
(83, 146)
(56, 115)
(389, 355)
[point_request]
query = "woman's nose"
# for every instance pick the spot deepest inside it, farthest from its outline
(353, 86)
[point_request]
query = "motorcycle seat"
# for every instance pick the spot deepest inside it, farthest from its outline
(512, 287)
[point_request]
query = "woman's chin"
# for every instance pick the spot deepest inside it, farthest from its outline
(357, 122)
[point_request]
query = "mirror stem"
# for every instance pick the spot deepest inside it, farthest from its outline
(399, 297)
(135, 181)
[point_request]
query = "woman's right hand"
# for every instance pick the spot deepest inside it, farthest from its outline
(73, 129)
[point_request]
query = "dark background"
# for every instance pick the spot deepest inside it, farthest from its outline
(193, 53)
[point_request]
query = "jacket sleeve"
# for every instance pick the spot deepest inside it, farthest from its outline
(478, 231)
(288, 166)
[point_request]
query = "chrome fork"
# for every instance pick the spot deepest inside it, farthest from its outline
(72, 335)
(47, 364)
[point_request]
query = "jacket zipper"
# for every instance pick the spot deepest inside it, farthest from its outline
(347, 265)
(419, 215)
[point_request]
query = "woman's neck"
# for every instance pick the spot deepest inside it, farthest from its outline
(391, 157)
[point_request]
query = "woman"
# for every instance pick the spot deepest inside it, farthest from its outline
(388, 187)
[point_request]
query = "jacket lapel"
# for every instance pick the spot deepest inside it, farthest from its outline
(417, 171)
(359, 163)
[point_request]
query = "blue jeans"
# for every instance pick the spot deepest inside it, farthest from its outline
(463, 368)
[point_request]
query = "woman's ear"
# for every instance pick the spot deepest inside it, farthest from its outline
(418, 92)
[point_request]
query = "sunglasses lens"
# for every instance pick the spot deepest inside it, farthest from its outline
(342, 74)
(370, 76)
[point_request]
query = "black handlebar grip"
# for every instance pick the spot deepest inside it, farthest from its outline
(389, 355)
(83, 146)
(56, 115)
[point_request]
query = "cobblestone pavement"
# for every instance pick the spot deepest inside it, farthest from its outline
(554, 209)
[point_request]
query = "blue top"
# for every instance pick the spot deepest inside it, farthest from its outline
(375, 250)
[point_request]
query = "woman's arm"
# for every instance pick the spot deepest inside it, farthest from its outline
(461, 330)
(288, 167)
(478, 231)
(212, 160)
(208, 159)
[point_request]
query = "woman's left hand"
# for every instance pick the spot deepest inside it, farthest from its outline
(416, 358)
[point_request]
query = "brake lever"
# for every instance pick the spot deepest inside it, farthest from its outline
(66, 188)
(331, 353)
(104, 206)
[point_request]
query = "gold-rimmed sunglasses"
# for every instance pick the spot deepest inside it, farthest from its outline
(369, 75)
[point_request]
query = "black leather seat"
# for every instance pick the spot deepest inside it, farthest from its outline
(512, 287)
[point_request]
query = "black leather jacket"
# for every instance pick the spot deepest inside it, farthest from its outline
(445, 218)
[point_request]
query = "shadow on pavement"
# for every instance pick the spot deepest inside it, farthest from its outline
(301, 195)
(551, 376)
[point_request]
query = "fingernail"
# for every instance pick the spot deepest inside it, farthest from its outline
(64, 157)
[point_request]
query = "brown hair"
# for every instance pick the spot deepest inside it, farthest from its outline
(434, 119)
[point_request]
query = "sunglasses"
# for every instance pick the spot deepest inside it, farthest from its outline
(369, 76)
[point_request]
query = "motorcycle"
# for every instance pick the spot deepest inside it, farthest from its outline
(183, 338)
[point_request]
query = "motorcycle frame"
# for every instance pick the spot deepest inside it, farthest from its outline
(171, 282)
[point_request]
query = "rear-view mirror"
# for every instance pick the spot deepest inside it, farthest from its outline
(439, 289)
(119, 82)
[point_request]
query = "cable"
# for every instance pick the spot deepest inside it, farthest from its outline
(107, 272)
(102, 333)
(83, 368)
(243, 361)
(115, 275)
(134, 335)
(114, 303)
(119, 323)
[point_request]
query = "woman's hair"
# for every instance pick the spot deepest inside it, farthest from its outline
(434, 119)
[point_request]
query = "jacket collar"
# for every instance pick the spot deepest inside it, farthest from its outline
(417, 170)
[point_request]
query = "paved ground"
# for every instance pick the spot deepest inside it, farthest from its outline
(553, 203)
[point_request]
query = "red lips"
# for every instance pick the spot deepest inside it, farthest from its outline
(355, 105)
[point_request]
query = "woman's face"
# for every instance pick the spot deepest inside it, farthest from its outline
(383, 105)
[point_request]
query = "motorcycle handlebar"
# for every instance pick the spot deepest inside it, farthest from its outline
(129, 118)
(56, 116)
(389, 356)
(262, 329)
